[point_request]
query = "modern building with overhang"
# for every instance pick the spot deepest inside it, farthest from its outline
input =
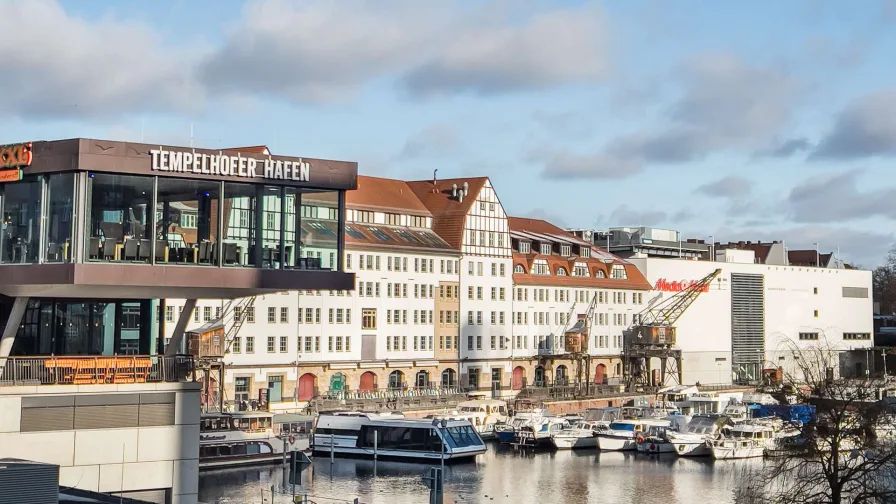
(95, 236)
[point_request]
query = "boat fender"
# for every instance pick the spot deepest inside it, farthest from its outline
(639, 438)
(292, 439)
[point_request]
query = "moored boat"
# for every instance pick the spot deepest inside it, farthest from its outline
(746, 440)
(654, 440)
(691, 440)
(539, 432)
(371, 435)
(249, 438)
(582, 434)
(622, 435)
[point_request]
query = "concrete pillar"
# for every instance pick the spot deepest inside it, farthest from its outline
(11, 329)
(178, 336)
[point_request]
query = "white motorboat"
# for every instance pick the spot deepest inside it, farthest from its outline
(692, 440)
(582, 434)
(539, 433)
(622, 434)
(602, 417)
(249, 438)
(654, 440)
(506, 432)
(367, 435)
(483, 414)
(746, 440)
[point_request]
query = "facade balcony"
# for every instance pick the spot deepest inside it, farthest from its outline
(90, 218)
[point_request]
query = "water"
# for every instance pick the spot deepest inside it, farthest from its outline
(502, 475)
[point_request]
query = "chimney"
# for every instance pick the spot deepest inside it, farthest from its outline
(434, 179)
(453, 190)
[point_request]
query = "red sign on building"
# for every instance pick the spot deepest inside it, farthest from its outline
(15, 155)
(677, 285)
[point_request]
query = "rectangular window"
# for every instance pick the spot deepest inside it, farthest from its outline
(236, 347)
(368, 319)
(271, 344)
(284, 315)
(250, 344)
(478, 342)
(207, 313)
(284, 344)
(855, 336)
(272, 315)
(469, 342)
(811, 336)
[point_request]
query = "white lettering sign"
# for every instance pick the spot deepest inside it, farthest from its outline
(229, 166)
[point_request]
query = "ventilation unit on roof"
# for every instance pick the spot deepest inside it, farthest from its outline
(453, 190)
(460, 195)
(466, 187)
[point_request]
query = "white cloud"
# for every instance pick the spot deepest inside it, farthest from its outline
(57, 65)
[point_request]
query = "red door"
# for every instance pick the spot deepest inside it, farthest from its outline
(306, 387)
(599, 373)
(368, 381)
(518, 375)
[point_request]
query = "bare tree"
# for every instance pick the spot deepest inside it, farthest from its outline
(883, 281)
(845, 455)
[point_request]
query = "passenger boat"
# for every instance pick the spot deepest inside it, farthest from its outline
(539, 433)
(484, 414)
(746, 440)
(393, 437)
(248, 438)
(602, 417)
(622, 434)
(655, 440)
(692, 440)
(582, 434)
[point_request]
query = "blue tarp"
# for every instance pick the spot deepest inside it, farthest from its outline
(802, 413)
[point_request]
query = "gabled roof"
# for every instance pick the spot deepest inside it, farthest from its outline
(384, 194)
(807, 258)
(448, 212)
(251, 149)
(392, 237)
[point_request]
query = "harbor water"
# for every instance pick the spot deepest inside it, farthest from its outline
(502, 475)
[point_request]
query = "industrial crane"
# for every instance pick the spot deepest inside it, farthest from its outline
(209, 343)
(652, 335)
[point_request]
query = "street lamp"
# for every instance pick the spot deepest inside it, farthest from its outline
(817, 261)
(712, 248)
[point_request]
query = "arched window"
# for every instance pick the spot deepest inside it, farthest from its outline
(422, 378)
(561, 271)
(560, 375)
(519, 268)
(449, 378)
(396, 379)
(599, 273)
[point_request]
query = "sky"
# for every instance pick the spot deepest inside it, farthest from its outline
(733, 120)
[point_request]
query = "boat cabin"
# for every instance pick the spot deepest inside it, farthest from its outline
(244, 422)
(487, 406)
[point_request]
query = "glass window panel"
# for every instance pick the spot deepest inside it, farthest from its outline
(239, 224)
(119, 223)
(61, 192)
(187, 221)
(271, 225)
(319, 231)
(21, 221)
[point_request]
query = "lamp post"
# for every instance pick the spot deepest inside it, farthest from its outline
(817, 261)
(712, 248)
(444, 424)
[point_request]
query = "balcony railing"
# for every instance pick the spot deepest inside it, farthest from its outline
(99, 369)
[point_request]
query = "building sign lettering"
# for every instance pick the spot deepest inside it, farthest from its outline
(224, 165)
(211, 438)
(677, 285)
(15, 155)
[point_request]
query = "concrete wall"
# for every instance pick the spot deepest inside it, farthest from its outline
(112, 460)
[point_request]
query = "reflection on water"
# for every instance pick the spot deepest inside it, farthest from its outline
(502, 475)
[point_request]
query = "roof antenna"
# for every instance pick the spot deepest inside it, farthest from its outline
(434, 176)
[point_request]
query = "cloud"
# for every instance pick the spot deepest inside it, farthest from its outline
(626, 216)
(434, 140)
(562, 164)
(546, 50)
(864, 128)
(540, 213)
(727, 103)
(837, 199)
(731, 187)
(61, 66)
(567, 124)
(320, 51)
(785, 148)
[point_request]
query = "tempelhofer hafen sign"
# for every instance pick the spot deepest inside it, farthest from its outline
(677, 285)
(224, 165)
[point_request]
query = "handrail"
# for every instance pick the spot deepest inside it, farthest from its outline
(95, 369)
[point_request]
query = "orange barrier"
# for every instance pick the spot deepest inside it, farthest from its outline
(89, 370)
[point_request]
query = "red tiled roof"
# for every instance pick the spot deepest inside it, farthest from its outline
(635, 279)
(383, 193)
(251, 149)
(448, 213)
(542, 227)
(394, 237)
(806, 258)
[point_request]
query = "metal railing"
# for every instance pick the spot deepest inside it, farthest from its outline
(570, 390)
(95, 369)
(403, 399)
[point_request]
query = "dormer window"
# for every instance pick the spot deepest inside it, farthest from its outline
(599, 273)
(565, 250)
(561, 271)
(540, 267)
(580, 270)
(525, 247)
(618, 272)
(518, 268)
(585, 251)
(546, 249)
